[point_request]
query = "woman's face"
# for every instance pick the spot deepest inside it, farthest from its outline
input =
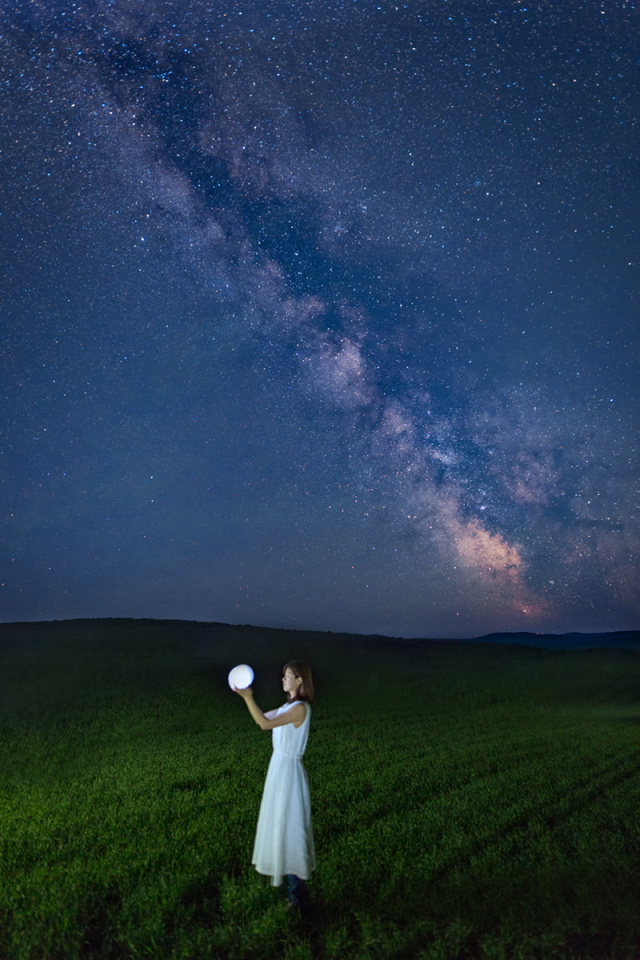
(290, 683)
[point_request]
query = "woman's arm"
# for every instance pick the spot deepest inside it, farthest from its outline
(269, 721)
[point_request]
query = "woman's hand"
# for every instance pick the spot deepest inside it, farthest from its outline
(244, 692)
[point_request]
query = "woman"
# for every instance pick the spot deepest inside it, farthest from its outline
(284, 839)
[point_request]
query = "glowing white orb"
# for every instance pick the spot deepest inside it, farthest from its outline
(241, 676)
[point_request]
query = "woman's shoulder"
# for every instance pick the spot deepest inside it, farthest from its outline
(294, 703)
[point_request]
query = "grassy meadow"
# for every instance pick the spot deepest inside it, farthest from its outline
(468, 800)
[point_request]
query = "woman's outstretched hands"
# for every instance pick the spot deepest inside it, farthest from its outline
(247, 695)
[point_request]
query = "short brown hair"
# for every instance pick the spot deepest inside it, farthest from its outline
(302, 670)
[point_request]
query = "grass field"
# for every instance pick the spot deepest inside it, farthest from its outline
(468, 801)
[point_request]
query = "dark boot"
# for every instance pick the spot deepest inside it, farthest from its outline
(297, 890)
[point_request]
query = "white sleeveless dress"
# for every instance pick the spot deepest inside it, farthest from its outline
(284, 839)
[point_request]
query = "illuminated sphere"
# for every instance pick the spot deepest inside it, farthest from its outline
(241, 676)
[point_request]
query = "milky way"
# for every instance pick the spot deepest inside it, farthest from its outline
(321, 315)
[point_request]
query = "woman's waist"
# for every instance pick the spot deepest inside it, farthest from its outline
(290, 754)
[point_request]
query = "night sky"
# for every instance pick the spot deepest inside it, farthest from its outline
(321, 314)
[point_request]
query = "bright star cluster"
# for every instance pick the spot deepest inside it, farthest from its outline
(321, 314)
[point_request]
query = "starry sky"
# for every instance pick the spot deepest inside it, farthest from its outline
(321, 314)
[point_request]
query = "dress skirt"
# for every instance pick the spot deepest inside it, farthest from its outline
(284, 838)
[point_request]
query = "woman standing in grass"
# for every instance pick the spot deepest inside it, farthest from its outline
(284, 839)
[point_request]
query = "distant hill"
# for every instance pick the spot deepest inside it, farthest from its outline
(168, 632)
(619, 639)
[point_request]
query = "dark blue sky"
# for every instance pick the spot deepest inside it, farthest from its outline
(321, 315)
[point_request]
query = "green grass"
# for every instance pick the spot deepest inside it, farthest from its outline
(468, 801)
